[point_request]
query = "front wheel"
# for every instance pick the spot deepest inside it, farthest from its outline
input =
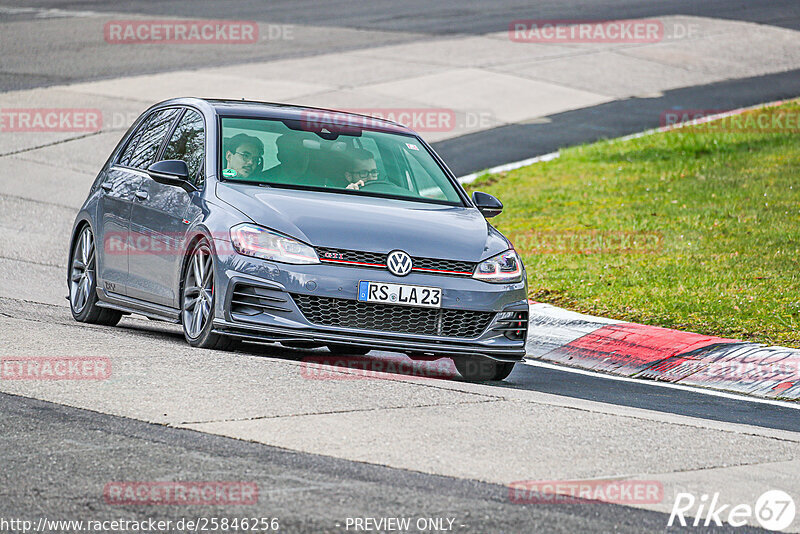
(197, 301)
(476, 369)
(83, 283)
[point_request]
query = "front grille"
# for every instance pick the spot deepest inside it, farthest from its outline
(377, 260)
(252, 300)
(390, 318)
(352, 256)
(452, 266)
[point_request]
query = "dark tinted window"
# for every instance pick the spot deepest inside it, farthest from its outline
(188, 144)
(150, 141)
(125, 159)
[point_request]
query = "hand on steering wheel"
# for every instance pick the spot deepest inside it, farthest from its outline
(373, 183)
(355, 185)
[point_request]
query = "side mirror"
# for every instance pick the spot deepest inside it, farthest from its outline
(171, 172)
(487, 204)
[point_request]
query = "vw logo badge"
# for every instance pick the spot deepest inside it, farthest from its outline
(399, 263)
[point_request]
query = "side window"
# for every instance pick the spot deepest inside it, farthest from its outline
(125, 159)
(188, 144)
(150, 141)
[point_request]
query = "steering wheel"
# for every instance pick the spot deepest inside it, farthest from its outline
(372, 183)
(386, 186)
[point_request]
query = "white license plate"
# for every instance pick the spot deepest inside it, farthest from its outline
(428, 297)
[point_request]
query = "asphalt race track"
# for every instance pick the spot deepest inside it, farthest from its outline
(325, 447)
(307, 492)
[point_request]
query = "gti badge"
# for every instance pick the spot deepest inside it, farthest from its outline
(399, 263)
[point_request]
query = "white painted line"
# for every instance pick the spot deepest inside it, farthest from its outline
(509, 166)
(669, 385)
(46, 13)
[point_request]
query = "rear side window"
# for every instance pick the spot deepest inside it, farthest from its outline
(125, 159)
(188, 144)
(150, 140)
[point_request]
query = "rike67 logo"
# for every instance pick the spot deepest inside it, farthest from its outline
(773, 510)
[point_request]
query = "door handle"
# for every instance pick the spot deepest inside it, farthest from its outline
(142, 195)
(106, 186)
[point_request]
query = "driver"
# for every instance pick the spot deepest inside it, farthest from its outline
(362, 168)
(243, 155)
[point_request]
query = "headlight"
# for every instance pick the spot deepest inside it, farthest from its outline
(251, 240)
(503, 268)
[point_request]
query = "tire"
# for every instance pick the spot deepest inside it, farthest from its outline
(197, 301)
(476, 369)
(503, 370)
(348, 350)
(83, 283)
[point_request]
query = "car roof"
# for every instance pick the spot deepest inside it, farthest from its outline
(279, 111)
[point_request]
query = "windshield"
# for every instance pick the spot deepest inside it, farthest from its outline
(336, 159)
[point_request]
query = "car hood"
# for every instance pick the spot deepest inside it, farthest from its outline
(367, 223)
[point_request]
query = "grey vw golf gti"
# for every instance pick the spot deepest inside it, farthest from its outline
(303, 226)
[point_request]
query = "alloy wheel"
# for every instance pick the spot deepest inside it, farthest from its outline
(198, 291)
(83, 271)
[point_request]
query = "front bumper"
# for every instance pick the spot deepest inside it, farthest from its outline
(284, 321)
(404, 343)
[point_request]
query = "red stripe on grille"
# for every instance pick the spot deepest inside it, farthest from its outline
(439, 271)
(354, 262)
